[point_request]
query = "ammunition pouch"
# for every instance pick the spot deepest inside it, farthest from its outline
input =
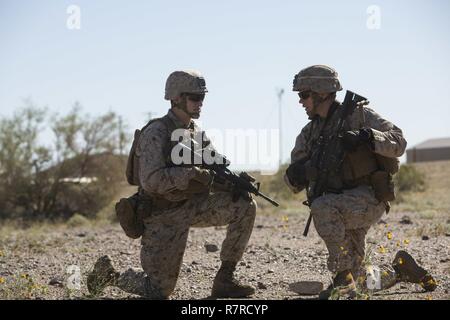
(363, 167)
(383, 186)
(132, 211)
(358, 164)
(129, 216)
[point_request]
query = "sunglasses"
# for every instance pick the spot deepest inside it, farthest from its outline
(304, 94)
(195, 97)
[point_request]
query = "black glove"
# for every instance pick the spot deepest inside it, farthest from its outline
(296, 173)
(351, 140)
(239, 193)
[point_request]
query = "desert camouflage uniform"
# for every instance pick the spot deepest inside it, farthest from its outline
(342, 220)
(166, 231)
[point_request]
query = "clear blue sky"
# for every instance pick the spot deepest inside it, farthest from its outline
(125, 50)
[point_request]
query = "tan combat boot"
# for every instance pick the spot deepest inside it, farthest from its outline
(408, 270)
(226, 286)
(343, 284)
(102, 275)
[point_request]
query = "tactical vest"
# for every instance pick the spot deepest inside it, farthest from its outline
(363, 167)
(132, 170)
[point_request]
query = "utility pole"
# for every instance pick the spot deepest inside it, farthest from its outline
(280, 93)
(121, 136)
(150, 115)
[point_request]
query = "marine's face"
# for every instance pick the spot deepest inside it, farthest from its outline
(194, 103)
(307, 102)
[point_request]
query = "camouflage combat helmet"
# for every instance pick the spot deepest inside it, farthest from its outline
(317, 78)
(184, 82)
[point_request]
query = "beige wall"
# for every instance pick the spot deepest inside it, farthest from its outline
(432, 154)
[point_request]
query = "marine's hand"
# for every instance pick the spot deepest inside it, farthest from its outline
(352, 139)
(239, 193)
(296, 173)
(203, 176)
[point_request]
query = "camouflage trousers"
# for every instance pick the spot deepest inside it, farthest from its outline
(165, 236)
(342, 221)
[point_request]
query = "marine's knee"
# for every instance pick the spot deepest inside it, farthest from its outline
(252, 206)
(328, 222)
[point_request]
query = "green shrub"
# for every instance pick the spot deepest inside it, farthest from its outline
(409, 178)
(77, 220)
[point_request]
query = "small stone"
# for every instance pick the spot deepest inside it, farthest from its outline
(270, 271)
(57, 282)
(242, 263)
(188, 270)
(306, 287)
(259, 226)
(261, 286)
(211, 247)
(194, 262)
(425, 238)
(382, 222)
(406, 220)
(81, 234)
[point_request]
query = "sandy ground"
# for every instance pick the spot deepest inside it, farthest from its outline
(37, 264)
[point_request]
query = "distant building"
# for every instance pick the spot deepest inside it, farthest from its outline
(430, 150)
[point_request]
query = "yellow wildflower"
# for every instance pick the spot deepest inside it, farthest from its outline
(406, 241)
(2, 280)
(349, 277)
(285, 218)
(400, 261)
(429, 297)
(382, 249)
(431, 282)
(389, 235)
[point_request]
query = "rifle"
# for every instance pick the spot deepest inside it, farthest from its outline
(242, 181)
(330, 154)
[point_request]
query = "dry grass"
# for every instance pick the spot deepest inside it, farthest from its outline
(434, 201)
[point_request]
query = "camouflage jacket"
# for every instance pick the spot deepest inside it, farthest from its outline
(388, 138)
(156, 176)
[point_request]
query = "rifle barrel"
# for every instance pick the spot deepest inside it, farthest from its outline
(273, 202)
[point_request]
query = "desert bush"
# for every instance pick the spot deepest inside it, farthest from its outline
(77, 220)
(409, 178)
(78, 171)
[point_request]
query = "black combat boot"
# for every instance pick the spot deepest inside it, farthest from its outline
(102, 275)
(407, 270)
(344, 284)
(226, 286)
